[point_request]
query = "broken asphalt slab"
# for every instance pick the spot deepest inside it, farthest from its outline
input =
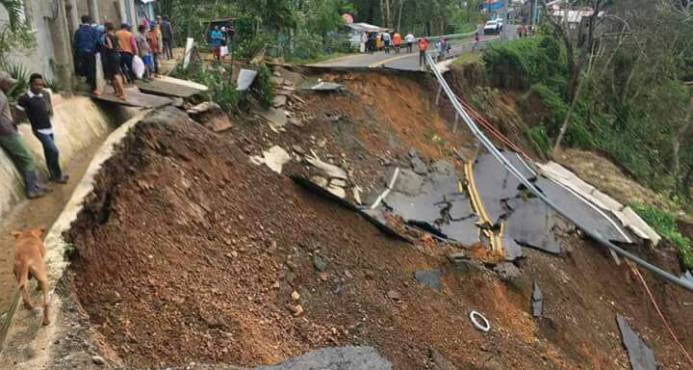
(537, 301)
(528, 221)
(639, 353)
(135, 98)
(246, 77)
(330, 358)
(434, 203)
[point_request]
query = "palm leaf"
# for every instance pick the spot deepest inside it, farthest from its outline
(15, 10)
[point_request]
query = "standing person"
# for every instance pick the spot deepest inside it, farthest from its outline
(127, 48)
(476, 41)
(167, 37)
(397, 41)
(371, 42)
(154, 45)
(215, 42)
(409, 38)
(112, 61)
(423, 48)
(363, 47)
(13, 144)
(85, 43)
(386, 41)
(144, 51)
(440, 49)
(36, 103)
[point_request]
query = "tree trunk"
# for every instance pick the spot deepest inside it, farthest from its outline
(399, 16)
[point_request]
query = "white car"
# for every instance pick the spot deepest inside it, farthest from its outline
(492, 27)
(499, 21)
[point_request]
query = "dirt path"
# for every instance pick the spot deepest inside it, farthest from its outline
(35, 213)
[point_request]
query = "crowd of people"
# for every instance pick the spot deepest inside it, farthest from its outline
(220, 39)
(125, 56)
(388, 42)
(120, 51)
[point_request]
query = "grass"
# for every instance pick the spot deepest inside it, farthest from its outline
(664, 223)
(470, 57)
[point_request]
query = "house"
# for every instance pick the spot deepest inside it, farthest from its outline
(53, 23)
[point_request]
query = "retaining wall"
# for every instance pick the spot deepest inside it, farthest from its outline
(78, 122)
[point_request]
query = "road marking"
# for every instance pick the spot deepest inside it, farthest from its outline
(382, 62)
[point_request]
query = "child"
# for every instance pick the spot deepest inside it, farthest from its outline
(36, 103)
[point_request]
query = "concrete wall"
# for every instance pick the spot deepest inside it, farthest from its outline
(79, 123)
(38, 58)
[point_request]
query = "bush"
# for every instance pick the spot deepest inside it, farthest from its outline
(665, 224)
(221, 88)
(520, 63)
(263, 87)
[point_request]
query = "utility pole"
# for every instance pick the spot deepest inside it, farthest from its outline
(60, 38)
(94, 10)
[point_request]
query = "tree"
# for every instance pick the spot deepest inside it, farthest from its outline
(14, 35)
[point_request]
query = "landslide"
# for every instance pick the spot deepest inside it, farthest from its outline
(187, 252)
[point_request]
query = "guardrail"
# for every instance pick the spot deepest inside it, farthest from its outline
(531, 187)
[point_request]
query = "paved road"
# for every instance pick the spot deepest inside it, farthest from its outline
(409, 61)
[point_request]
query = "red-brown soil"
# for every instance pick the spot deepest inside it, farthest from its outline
(187, 252)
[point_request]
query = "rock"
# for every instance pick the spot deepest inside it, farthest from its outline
(296, 122)
(507, 271)
(98, 360)
(339, 183)
(298, 150)
(419, 166)
(211, 116)
(279, 101)
(323, 276)
(320, 263)
(296, 310)
(394, 295)
(295, 296)
(429, 278)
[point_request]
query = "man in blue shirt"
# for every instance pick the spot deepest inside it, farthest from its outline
(85, 45)
(216, 37)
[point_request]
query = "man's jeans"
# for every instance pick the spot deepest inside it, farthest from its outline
(17, 150)
(51, 153)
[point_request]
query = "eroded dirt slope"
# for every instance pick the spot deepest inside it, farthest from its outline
(187, 252)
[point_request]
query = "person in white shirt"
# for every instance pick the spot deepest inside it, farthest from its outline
(409, 38)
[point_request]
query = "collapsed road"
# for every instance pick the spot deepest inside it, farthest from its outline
(252, 270)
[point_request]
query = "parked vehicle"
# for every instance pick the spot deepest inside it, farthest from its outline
(492, 27)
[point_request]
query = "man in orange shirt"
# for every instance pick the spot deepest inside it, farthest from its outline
(128, 49)
(423, 48)
(397, 41)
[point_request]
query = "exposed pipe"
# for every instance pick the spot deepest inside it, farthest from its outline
(530, 186)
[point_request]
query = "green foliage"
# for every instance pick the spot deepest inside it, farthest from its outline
(523, 62)
(263, 86)
(537, 136)
(665, 224)
(222, 89)
(21, 74)
(16, 36)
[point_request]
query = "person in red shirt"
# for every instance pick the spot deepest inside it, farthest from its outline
(423, 48)
(397, 41)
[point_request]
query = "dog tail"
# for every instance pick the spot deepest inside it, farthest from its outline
(23, 277)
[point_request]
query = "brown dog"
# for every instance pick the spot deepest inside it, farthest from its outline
(28, 261)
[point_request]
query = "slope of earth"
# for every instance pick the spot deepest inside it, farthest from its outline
(187, 252)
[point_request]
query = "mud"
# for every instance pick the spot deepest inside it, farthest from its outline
(187, 252)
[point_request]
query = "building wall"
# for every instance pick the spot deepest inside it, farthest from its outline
(38, 58)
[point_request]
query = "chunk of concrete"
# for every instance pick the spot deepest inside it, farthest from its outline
(279, 101)
(246, 77)
(274, 158)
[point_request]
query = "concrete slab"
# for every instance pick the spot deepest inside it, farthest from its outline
(135, 98)
(168, 86)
